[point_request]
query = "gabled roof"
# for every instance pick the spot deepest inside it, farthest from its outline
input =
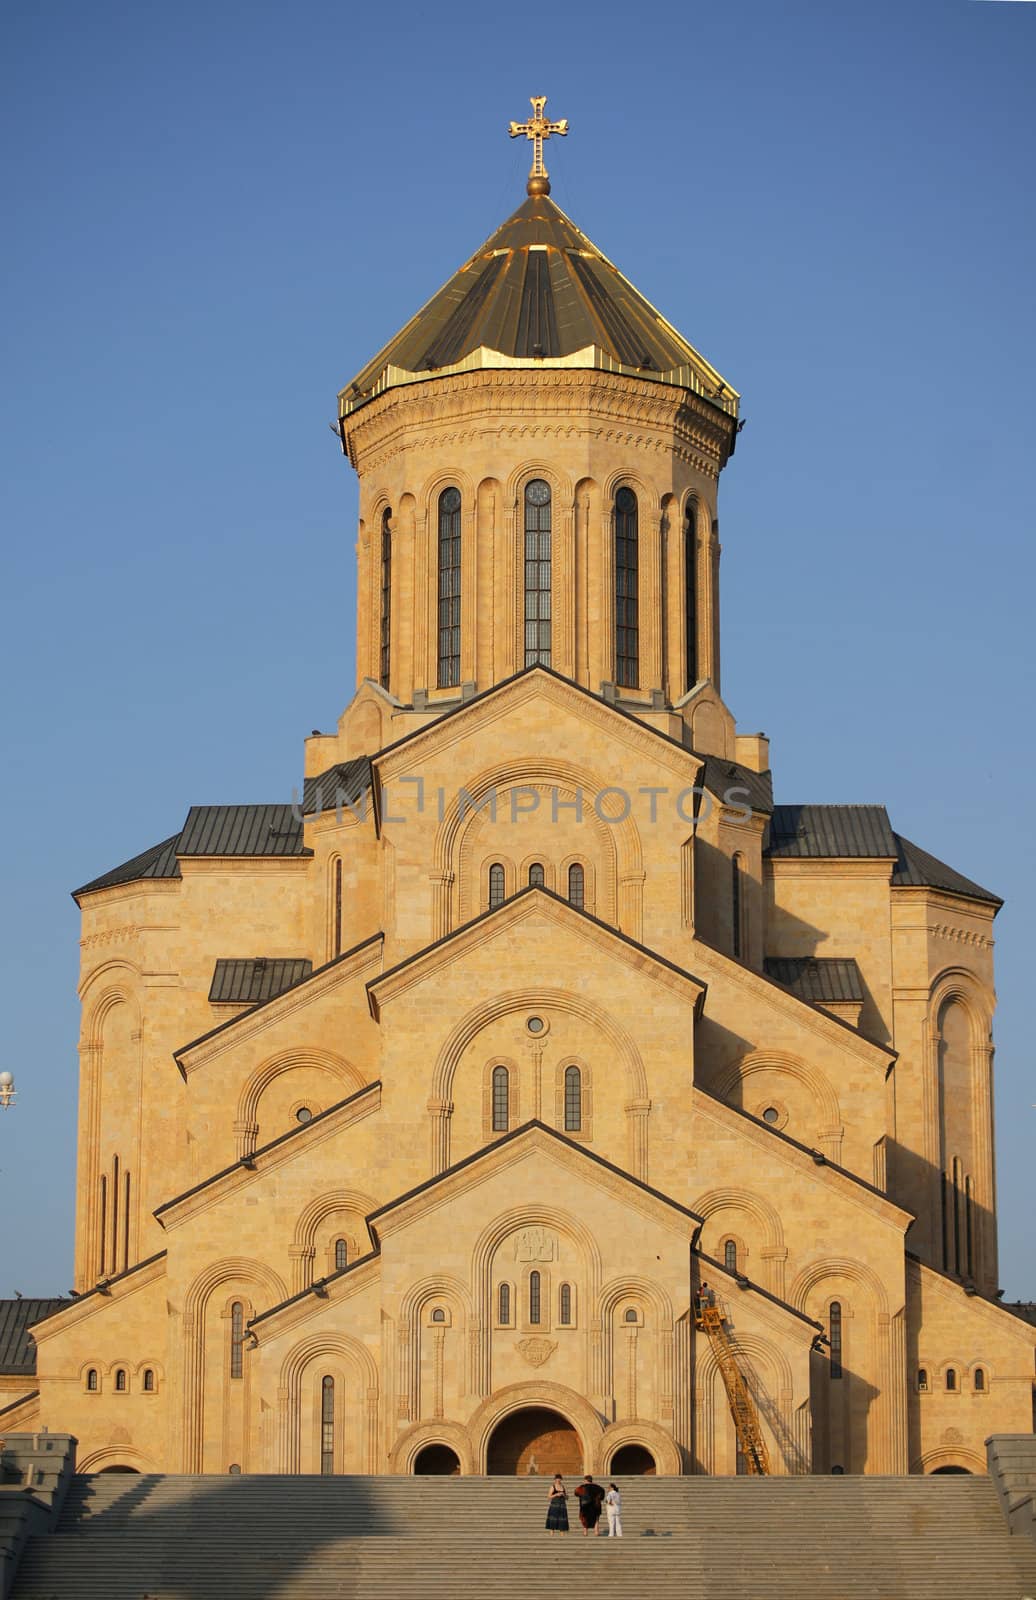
(242, 831)
(915, 868)
(255, 979)
(340, 785)
(819, 980)
(721, 777)
(539, 292)
(842, 832)
(17, 1347)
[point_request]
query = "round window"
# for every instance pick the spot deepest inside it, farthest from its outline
(303, 1114)
(537, 492)
(535, 1024)
(771, 1115)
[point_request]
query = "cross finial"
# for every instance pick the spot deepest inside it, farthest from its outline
(537, 129)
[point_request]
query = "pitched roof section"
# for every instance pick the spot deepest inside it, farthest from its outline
(915, 868)
(158, 862)
(339, 786)
(539, 291)
(723, 777)
(841, 832)
(254, 980)
(824, 982)
(242, 831)
(17, 1347)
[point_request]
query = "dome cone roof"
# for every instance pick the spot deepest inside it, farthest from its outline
(538, 293)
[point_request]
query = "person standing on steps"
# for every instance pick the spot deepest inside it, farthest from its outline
(591, 1498)
(613, 1506)
(557, 1508)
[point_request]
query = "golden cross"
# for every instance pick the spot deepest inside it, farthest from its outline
(537, 129)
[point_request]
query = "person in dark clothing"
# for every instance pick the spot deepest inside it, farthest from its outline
(591, 1499)
(557, 1508)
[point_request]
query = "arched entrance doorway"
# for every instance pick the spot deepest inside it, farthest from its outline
(633, 1461)
(936, 1471)
(438, 1460)
(534, 1441)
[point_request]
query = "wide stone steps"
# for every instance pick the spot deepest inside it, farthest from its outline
(124, 1537)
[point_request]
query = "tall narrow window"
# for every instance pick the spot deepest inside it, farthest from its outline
(534, 1298)
(536, 875)
(496, 885)
(114, 1257)
(690, 582)
(969, 1249)
(951, 1379)
(573, 1100)
(537, 573)
(576, 886)
(91, 1380)
(386, 598)
(149, 1380)
(341, 1255)
(504, 1305)
(120, 1381)
(627, 646)
(336, 913)
(237, 1339)
(500, 1100)
(449, 588)
(835, 1335)
(730, 1256)
(103, 1227)
(327, 1427)
(979, 1380)
(736, 905)
(922, 1379)
(565, 1306)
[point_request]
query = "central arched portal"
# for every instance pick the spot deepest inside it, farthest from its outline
(534, 1441)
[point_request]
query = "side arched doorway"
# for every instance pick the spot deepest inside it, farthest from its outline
(937, 1470)
(633, 1461)
(534, 1441)
(437, 1460)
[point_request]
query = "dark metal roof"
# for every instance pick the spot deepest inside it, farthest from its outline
(242, 831)
(17, 1347)
(258, 978)
(721, 777)
(915, 868)
(339, 786)
(158, 862)
(539, 290)
(820, 980)
(832, 831)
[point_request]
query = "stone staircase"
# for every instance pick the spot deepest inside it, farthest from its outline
(124, 1537)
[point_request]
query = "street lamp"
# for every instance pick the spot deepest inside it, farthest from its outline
(8, 1093)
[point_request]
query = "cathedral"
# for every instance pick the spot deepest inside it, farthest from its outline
(418, 1113)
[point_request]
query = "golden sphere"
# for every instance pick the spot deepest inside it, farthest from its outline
(538, 186)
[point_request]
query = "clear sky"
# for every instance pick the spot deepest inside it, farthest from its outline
(215, 213)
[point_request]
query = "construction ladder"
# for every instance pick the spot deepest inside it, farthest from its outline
(746, 1421)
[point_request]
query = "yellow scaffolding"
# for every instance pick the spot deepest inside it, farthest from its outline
(751, 1443)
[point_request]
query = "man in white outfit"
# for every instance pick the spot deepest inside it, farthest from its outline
(613, 1506)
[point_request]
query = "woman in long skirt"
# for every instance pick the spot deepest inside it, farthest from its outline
(557, 1509)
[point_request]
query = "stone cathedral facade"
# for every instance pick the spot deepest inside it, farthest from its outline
(413, 1114)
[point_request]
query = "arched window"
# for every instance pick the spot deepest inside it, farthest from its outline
(438, 1315)
(501, 1108)
(565, 1306)
(237, 1339)
(730, 1255)
(576, 886)
(336, 911)
(627, 645)
(951, 1378)
(922, 1379)
(573, 1100)
(504, 1304)
(979, 1380)
(149, 1381)
(537, 875)
(690, 571)
(631, 1315)
(327, 1427)
(386, 598)
(120, 1381)
(835, 1336)
(449, 588)
(534, 1298)
(341, 1254)
(496, 885)
(537, 573)
(736, 904)
(91, 1380)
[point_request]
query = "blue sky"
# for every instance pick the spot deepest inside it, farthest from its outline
(216, 213)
